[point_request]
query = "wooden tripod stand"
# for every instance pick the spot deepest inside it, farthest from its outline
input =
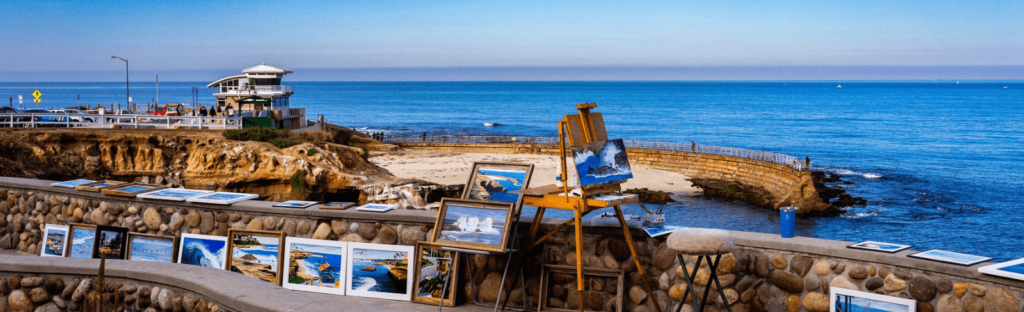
(584, 128)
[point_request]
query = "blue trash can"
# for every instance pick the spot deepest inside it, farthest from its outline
(787, 221)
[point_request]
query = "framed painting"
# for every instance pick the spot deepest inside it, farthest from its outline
(565, 276)
(56, 241)
(601, 163)
(436, 275)
(842, 299)
(879, 246)
(98, 185)
(950, 257)
(173, 194)
(72, 184)
(315, 265)
(337, 205)
(376, 207)
(497, 182)
(131, 189)
(472, 224)
(202, 250)
(155, 248)
(296, 204)
(378, 271)
(256, 253)
(80, 240)
(1013, 269)
(221, 198)
(111, 241)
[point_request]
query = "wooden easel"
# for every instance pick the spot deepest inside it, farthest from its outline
(584, 128)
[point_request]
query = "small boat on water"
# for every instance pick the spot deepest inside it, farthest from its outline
(491, 124)
(839, 86)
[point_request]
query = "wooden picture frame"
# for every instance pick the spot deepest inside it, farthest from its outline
(248, 264)
(549, 269)
(195, 249)
(85, 234)
(111, 241)
(72, 184)
(173, 194)
(508, 175)
(131, 189)
(148, 248)
(854, 300)
(55, 241)
(458, 218)
(337, 205)
(98, 185)
(443, 258)
(378, 262)
(305, 254)
(1013, 269)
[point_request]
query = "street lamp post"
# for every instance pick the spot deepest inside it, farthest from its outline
(127, 94)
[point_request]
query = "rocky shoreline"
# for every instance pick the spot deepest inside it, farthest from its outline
(835, 197)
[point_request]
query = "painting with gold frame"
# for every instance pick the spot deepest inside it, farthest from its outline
(494, 181)
(254, 253)
(98, 185)
(131, 189)
(80, 240)
(472, 224)
(436, 268)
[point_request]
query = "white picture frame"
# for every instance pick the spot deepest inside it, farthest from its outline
(950, 257)
(59, 241)
(72, 184)
(173, 194)
(880, 246)
(191, 255)
(358, 257)
(330, 248)
(877, 302)
(376, 207)
(1013, 269)
(296, 204)
(221, 198)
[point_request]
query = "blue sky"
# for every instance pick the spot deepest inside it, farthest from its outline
(42, 36)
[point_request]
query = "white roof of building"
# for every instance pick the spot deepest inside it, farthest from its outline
(265, 69)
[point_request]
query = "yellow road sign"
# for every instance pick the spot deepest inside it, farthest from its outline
(37, 100)
(37, 94)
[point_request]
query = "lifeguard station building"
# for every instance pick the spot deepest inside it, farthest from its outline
(259, 93)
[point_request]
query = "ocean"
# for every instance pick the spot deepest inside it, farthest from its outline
(940, 163)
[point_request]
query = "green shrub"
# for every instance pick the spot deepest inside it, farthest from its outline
(282, 143)
(311, 152)
(260, 134)
(298, 183)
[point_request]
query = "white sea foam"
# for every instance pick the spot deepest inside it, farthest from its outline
(365, 283)
(475, 225)
(582, 157)
(872, 175)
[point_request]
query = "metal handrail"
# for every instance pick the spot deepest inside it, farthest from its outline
(783, 159)
(127, 121)
(274, 88)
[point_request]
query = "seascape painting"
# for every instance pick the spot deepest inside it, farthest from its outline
(950, 257)
(846, 300)
(315, 265)
(81, 243)
(600, 163)
(151, 249)
(379, 271)
(56, 241)
(173, 194)
(222, 198)
(879, 246)
(473, 225)
(434, 272)
(72, 183)
(256, 256)
(296, 204)
(492, 183)
(110, 241)
(202, 250)
(1011, 269)
(132, 189)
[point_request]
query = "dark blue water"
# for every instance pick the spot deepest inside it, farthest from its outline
(376, 280)
(941, 164)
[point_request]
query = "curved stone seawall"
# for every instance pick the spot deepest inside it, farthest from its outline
(765, 273)
(788, 186)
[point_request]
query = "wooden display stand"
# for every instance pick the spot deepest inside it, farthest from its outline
(584, 128)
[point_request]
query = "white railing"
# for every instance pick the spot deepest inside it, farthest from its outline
(276, 88)
(787, 160)
(122, 121)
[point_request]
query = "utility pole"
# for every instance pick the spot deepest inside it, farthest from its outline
(157, 87)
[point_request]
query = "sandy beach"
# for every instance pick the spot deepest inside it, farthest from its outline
(454, 168)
